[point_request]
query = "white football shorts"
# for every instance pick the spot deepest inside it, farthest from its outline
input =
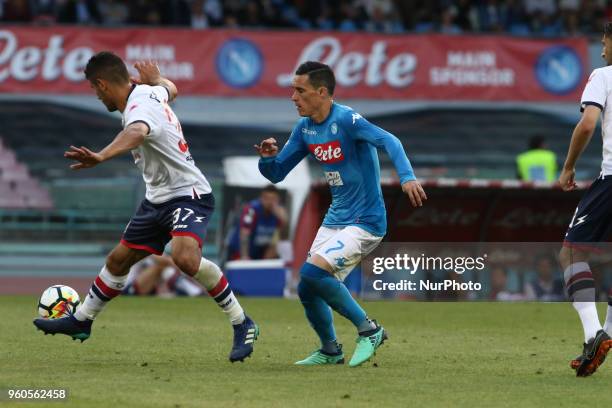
(343, 248)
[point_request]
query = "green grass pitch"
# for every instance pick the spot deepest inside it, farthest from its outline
(152, 352)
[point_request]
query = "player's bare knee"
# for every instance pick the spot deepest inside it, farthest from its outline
(565, 257)
(569, 255)
(186, 254)
(187, 262)
(116, 264)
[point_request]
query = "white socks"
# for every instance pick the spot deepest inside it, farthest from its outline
(588, 316)
(581, 291)
(211, 277)
(105, 287)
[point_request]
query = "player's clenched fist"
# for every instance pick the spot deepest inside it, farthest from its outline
(566, 179)
(267, 148)
(415, 192)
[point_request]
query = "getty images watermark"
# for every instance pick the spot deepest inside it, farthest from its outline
(435, 273)
(474, 271)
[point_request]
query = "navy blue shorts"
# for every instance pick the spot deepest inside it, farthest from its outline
(592, 220)
(154, 225)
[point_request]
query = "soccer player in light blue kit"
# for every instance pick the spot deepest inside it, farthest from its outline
(345, 144)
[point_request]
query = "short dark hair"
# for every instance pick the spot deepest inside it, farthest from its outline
(270, 188)
(319, 74)
(108, 66)
(536, 142)
(608, 29)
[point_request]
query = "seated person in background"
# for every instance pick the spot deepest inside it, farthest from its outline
(158, 275)
(256, 235)
(544, 287)
(499, 286)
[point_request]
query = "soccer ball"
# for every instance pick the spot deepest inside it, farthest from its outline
(58, 301)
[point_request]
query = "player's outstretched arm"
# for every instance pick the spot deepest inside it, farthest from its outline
(275, 166)
(128, 139)
(580, 139)
(364, 130)
(150, 75)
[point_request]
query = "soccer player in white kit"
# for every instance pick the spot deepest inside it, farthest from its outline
(592, 221)
(178, 203)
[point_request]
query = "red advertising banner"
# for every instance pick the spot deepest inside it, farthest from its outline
(242, 63)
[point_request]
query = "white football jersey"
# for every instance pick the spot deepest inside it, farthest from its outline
(596, 93)
(167, 166)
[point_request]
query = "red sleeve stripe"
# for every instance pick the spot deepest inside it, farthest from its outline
(219, 288)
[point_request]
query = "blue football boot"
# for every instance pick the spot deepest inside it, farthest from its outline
(68, 325)
(245, 335)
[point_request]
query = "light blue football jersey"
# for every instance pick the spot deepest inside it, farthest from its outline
(345, 145)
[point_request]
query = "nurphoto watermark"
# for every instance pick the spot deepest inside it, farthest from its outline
(467, 271)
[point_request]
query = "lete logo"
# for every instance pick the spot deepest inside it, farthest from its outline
(328, 153)
(354, 68)
(31, 62)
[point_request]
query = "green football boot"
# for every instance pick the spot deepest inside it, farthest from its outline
(321, 358)
(367, 345)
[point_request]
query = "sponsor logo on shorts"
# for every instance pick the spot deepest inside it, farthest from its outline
(577, 220)
(340, 262)
(580, 220)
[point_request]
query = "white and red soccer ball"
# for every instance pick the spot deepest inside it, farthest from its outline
(58, 301)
